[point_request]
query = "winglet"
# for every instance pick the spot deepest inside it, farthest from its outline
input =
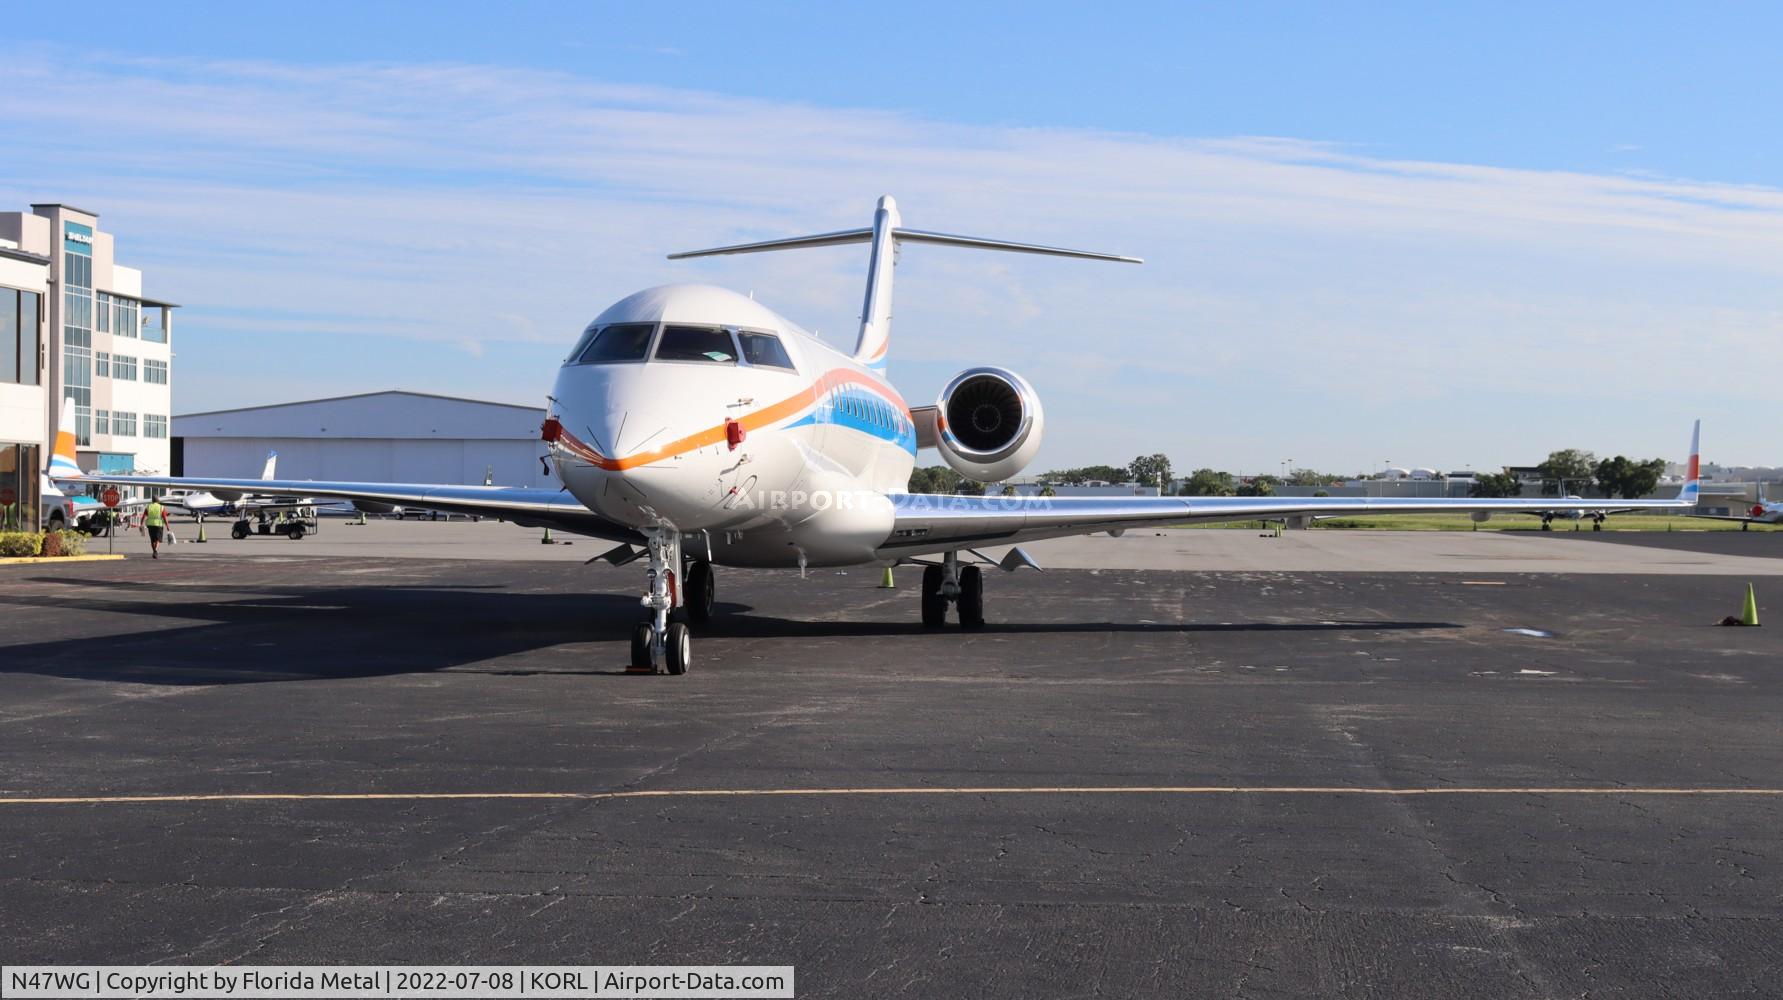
(62, 459)
(1687, 496)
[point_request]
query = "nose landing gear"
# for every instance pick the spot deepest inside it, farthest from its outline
(950, 583)
(658, 641)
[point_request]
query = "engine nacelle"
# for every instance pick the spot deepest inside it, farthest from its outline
(988, 423)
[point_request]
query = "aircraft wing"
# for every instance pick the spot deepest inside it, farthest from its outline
(935, 523)
(926, 523)
(532, 507)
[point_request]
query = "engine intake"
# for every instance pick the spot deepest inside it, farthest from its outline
(988, 423)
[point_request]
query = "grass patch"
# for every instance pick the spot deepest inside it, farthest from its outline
(1499, 522)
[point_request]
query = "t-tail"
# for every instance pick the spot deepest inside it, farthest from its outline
(63, 464)
(886, 235)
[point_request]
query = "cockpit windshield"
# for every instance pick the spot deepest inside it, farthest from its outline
(764, 349)
(616, 343)
(696, 343)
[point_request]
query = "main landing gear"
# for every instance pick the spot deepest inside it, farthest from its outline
(659, 642)
(948, 583)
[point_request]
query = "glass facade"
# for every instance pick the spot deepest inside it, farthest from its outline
(19, 499)
(77, 325)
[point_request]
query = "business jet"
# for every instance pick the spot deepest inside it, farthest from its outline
(1762, 512)
(211, 503)
(695, 428)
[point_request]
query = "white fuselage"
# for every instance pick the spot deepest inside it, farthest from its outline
(761, 464)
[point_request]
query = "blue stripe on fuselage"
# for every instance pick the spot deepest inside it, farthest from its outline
(866, 412)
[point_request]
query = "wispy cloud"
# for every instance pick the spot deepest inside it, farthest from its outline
(1295, 291)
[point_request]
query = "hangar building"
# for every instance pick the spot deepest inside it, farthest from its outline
(390, 437)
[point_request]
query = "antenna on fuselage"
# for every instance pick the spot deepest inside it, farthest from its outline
(886, 235)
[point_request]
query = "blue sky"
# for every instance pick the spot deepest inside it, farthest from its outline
(1460, 236)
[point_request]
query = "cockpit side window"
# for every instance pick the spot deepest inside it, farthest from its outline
(616, 343)
(581, 343)
(764, 349)
(696, 343)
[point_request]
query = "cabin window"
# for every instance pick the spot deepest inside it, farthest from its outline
(617, 343)
(764, 349)
(696, 343)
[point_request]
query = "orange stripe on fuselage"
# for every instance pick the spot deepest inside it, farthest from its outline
(764, 417)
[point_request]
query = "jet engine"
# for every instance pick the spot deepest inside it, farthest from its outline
(988, 423)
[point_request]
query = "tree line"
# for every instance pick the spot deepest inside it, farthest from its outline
(1576, 471)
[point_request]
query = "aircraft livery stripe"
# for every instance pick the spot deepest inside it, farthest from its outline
(765, 417)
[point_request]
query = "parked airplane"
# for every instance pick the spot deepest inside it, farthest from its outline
(214, 503)
(1762, 512)
(695, 427)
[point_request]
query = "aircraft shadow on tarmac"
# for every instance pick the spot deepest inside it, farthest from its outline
(273, 633)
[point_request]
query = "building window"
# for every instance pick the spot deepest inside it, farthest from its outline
(123, 424)
(19, 476)
(102, 421)
(154, 425)
(127, 323)
(154, 371)
(18, 335)
(102, 313)
(9, 335)
(123, 367)
(102, 364)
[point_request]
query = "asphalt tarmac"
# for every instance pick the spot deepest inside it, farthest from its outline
(1133, 783)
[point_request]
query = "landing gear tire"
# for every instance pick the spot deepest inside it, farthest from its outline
(702, 591)
(678, 649)
(240, 531)
(640, 647)
(934, 602)
(1596, 525)
(971, 599)
(1547, 525)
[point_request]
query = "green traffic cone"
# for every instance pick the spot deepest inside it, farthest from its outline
(887, 583)
(1749, 614)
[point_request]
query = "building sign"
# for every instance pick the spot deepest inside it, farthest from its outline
(77, 238)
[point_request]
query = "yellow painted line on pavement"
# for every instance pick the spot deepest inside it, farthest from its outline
(745, 793)
(54, 560)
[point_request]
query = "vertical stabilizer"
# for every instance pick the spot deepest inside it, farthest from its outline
(1693, 472)
(62, 459)
(876, 313)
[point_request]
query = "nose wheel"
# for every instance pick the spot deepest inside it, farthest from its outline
(657, 642)
(950, 583)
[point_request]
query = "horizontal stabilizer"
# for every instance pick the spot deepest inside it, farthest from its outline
(848, 236)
